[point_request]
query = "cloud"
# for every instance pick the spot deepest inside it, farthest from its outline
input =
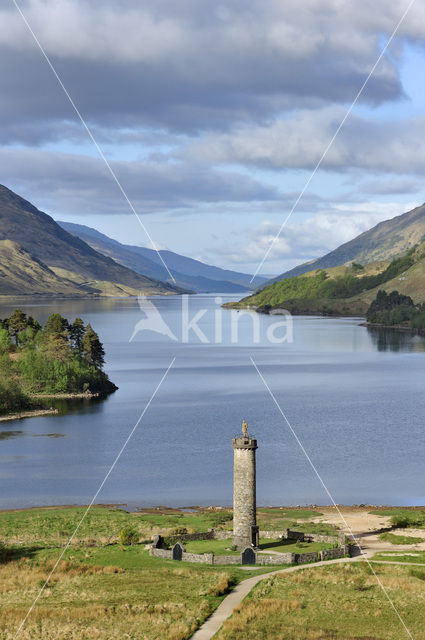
(192, 66)
(394, 186)
(299, 142)
(75, 184)
(315, 236)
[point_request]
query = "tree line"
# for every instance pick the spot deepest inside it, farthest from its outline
(321, 286)
(394, 308)
(59, 357)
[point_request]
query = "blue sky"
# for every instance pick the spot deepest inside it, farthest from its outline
(213, 117)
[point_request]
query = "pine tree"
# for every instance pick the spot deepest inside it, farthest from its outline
(92, 348)
(17, 323)
(55, 340)
(76, 333)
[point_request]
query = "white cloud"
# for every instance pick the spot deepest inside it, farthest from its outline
(299, 142)
(315, 236)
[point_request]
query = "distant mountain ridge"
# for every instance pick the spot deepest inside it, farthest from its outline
(41, 257)
(384, 241)
(188, 272)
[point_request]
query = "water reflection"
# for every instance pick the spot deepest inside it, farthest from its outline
(6, 435)
(396, 340)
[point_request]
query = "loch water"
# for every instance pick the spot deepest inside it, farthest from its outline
(354, 397)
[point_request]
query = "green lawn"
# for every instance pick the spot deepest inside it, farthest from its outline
(289, 546)
(300, 514)
(101, 525)
(274, 519)
(403, 517)
(221, 547)
(401, 556)
(397, 539)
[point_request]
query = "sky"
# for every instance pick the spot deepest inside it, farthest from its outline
(213, 116)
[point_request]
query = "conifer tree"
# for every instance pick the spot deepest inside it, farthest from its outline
(93, 350)
(17, 323)
(76, 333)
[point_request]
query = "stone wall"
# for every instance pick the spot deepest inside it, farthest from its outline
(161, 553)
(301, 558)
(260, 559)
(272, 534)
(218, 534)
(330, 554)
(206, 558)
(282, 558)
(294, 535)
(187, 537)
(338, 538)
(226, 559)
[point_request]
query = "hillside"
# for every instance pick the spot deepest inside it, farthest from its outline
(385, 241)
(22, 274)
(346, 290)
(73, 261)
(188, 273)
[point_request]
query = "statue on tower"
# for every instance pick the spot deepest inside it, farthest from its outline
(244, 429)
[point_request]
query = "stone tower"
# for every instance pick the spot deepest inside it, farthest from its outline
(245, 530)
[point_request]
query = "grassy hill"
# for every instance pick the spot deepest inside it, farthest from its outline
(385, 241)
(343, 290)
(39, 239)
(23, 274)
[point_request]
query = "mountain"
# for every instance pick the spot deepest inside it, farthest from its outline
(23, 274)
(188, 273)
(386, 240)
(41, 257)
(343, 290)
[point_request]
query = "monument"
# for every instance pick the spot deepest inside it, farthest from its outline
(245, 530)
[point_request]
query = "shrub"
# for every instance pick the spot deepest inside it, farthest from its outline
(417, 573)
(12, 398)
(178, 531)
(128, 536)
(412, 519)
(222, 586)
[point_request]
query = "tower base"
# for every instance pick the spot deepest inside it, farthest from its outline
(250, 540)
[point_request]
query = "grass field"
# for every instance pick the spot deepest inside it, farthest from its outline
(397, 539)
(401, 556)
(339, 602)
(101, 525)
(102, 590)
(404, 517)
(53, 526)
(100, 593)
(280, 519)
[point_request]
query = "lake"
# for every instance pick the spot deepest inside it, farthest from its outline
(355, 398)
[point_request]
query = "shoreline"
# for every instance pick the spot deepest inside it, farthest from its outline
(165, 509)
(31, 413)
(394, 327)
(39, 411)
(66, 396)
